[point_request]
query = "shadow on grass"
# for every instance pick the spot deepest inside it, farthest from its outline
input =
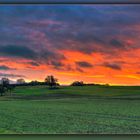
(72, 96)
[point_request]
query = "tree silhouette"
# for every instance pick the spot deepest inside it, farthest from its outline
(20, 81)
(34, 83)
(5, 86)
(5, 82)
(51, 81)
(77, 83)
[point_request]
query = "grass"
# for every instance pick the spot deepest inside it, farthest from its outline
(90, 109)
(132, 92)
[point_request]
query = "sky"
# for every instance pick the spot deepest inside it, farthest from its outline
(70, 1)
(92, 43)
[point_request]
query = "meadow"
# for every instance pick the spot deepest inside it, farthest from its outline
(70, 110)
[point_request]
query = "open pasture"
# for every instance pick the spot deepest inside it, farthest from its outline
(89, 109)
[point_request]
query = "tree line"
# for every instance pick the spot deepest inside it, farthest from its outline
(50, 81)
(5, 85)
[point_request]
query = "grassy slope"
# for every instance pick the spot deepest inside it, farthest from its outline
(90, 91)
(72, 115)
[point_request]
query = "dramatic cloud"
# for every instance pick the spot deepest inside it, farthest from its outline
(84, 64)
(41, 39)
(112, 66)
(33, 63)
(3, 67)
(50, 56)
(11, 75)
(17, 51)
(116, 43)
(57, 64)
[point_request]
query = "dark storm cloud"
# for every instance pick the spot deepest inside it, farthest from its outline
(95, 29)
(33, 63)
(51, 58)
(56, 64)
(17, 51)
(38, 57)
(84, 64)
(3, 67)
(114, 66)
(51, 55)
(83, 28)
(117, 43)
(11, 75)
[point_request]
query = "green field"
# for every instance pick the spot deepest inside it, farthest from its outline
(87, 109)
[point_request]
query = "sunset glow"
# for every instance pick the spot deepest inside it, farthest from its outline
(92, 43)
